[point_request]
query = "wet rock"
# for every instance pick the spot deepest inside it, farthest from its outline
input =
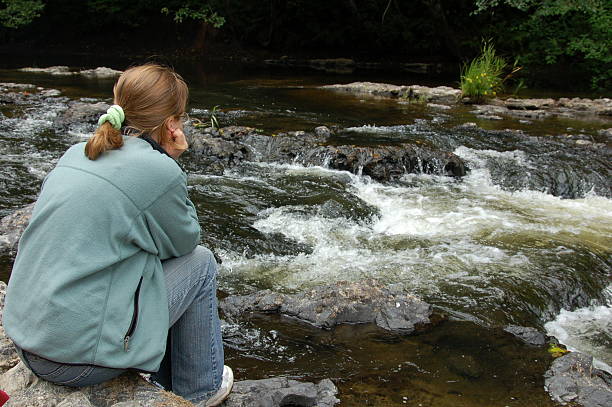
(440, 94)
(11, 228)
(235, 144)
(322, 131)
(528, 335)
(81, 112)
(101, 72)
(132, 390)
(342, 302)
(572, 378)
(60, 70)
(280, 391)
(489, 117)
(606, 133)
(437, 106)
(528, 104)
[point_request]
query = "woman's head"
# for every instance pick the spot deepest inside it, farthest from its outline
(151, 97)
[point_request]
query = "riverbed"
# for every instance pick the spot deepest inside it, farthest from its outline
(524, 238)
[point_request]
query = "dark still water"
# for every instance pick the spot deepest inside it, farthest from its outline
(523, 238)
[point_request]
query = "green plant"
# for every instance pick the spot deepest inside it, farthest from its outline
(486, 74)
(214, 123)
(482, 77)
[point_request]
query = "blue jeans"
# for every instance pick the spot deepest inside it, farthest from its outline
(193, 364)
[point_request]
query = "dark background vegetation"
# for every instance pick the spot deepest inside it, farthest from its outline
(560, 43)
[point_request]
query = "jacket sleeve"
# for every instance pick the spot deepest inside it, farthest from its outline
(173, 223)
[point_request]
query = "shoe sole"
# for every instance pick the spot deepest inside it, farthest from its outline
(220, 398)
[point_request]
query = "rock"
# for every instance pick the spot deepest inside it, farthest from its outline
(528, 335)
(322, 131)
(440, 94)
(572, 378)
(132, 390)
(528, 104)
(280, 391)
(81, 112)
(235, 144)
(11, 228)
(342, 302)
(605, 132)
(60, 70)
(465, 366)
(437, 106)
(101, 73)
(489, 117)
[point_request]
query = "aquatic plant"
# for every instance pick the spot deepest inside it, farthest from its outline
(485, 75)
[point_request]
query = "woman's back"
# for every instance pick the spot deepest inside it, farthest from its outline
(98, 227)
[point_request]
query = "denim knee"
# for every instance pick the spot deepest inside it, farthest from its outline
(207, 262)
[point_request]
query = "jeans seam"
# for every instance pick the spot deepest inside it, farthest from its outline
(84, 374)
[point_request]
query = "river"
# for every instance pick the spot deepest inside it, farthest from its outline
(524, 238)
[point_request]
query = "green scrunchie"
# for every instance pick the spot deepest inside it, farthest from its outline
(114, 115)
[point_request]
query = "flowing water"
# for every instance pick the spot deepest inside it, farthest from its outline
(524, 238)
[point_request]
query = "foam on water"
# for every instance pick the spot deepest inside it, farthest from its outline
(587, 330)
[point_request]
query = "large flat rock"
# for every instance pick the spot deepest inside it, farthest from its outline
(343, 302)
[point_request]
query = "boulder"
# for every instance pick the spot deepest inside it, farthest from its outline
(132, 390)
(343, 302)
(572, 378)
(528, 335)
(11, 228)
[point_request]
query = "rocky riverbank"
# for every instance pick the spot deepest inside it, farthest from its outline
(132, 390)
(494, 109)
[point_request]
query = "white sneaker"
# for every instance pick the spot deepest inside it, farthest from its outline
(226, 387)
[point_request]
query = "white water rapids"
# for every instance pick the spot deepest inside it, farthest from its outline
(466, 246)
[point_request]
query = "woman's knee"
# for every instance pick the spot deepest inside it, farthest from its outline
(206, 260)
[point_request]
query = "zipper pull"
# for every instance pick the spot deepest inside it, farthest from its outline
(126, 343)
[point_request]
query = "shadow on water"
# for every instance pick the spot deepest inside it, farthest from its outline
(454, 364)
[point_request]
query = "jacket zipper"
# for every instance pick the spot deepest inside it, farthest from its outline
(132, 328)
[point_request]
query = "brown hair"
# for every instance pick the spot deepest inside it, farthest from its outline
(149, 95)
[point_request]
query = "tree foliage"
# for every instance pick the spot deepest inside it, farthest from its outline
(16, 13)
(567, 32)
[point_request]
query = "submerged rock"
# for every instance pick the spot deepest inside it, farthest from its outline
(342, 302)
(528, 335)
(572, 378)
(11, 228)
(132, 390)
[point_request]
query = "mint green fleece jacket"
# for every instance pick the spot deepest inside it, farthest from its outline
(87, 286)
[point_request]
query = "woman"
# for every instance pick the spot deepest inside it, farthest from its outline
(110, 259)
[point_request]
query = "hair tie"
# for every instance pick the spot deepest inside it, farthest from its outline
(114, 115)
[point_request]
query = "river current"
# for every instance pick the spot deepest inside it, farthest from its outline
(524, 238)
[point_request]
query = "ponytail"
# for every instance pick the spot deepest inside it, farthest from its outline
(106, 138)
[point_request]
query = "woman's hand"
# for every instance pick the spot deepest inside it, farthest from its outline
(176, 143)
